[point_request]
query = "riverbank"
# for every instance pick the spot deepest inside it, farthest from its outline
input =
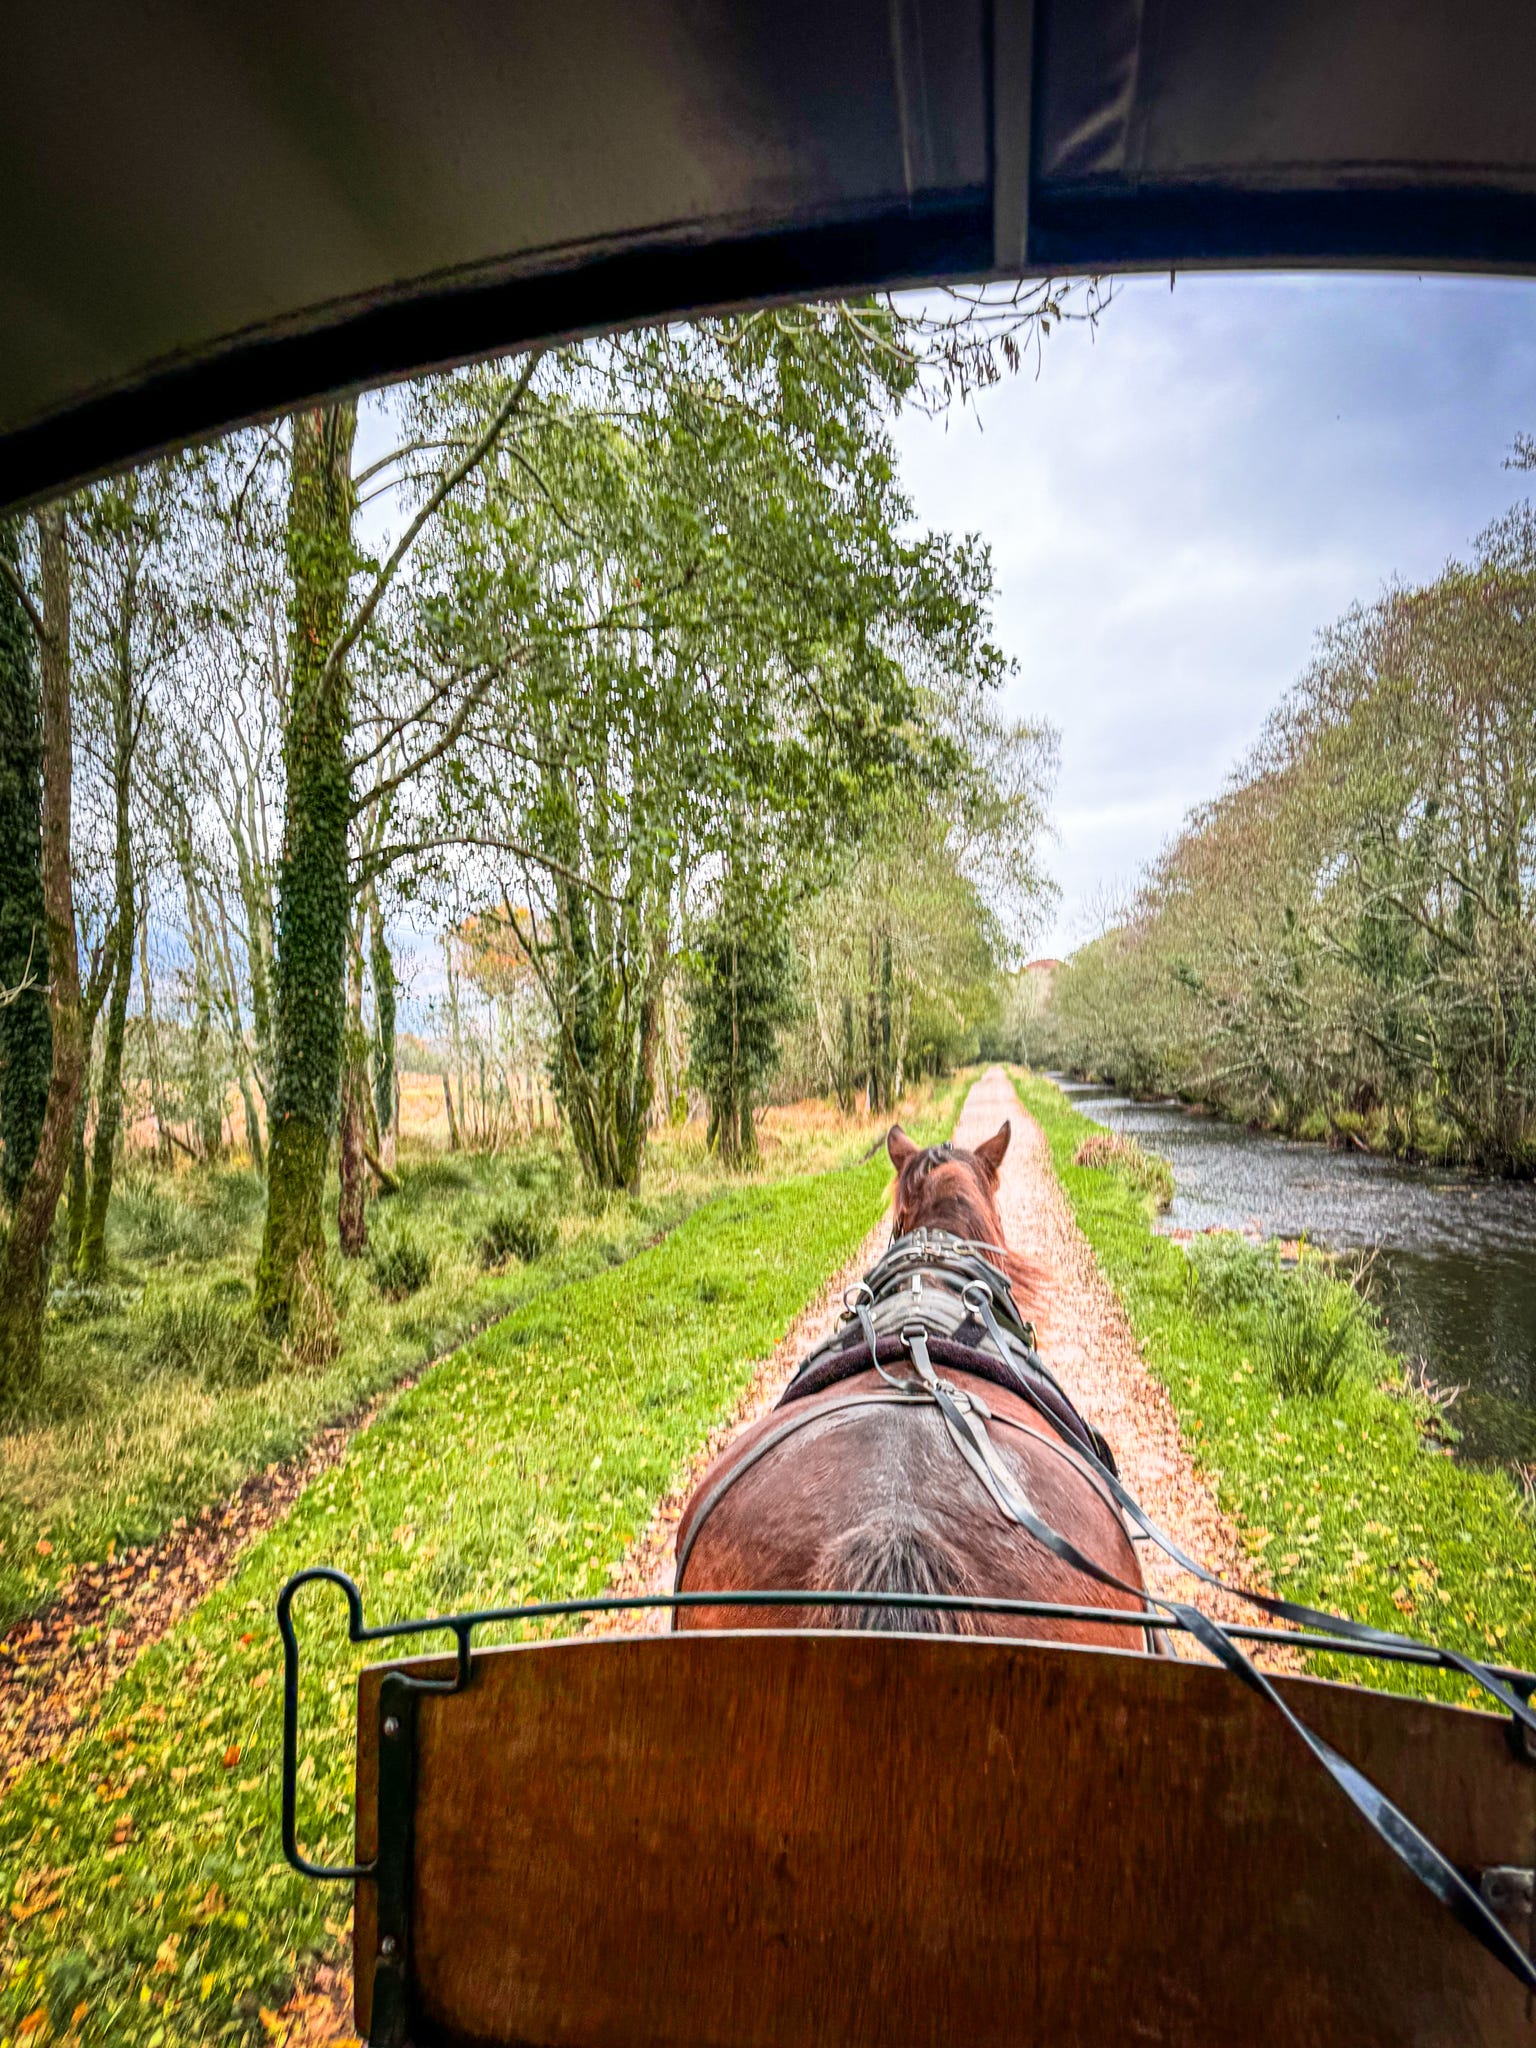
(1344, 1494)
(1375, 1133)
(1449, 1258)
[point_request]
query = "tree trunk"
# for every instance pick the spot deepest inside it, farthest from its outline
(453, 1122)
(382, 969)
(25, 1034)
(352, 1149)
(157, 1102)
(24, 1261)
(872, 1029)
(313, 889)
(109, 1102)
(352, 1208)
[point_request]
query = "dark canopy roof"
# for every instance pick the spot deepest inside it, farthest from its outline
(214, 209)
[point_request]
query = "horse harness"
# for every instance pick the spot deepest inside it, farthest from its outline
(923, 1303)
(932, 1299)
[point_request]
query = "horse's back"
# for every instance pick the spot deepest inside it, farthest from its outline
(856, 1491)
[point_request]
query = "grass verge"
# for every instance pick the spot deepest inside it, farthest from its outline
(1337, 1487)
(143, 1895)
(158, 1398)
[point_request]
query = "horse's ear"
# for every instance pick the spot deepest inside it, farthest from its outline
(991, 1150)
(900, 1147)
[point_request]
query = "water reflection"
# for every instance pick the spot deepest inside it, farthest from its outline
(1456, 1265)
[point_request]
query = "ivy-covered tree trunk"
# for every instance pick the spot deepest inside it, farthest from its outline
(351, 1150)
(109, 1101)
(382, 969)
(313, 892)
(78, 1199)
(24, 1260)
(26, 1038)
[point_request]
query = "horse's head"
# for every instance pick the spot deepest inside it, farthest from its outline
(944, 1187)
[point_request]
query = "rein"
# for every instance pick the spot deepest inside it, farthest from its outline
(957, 1267)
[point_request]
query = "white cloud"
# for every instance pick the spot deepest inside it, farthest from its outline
(1179, 502)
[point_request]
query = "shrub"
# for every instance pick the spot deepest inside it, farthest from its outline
(421, 1178)
(1144, 1171)
(1305, 1325)
(516, 1231)
(400, 1266)
(1311, 1333)
(151, 1223)
(1227, 1272)
(206, 1339)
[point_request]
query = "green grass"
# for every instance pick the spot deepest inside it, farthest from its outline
(1316, 1447)
(156, 1397)
(141, 1870)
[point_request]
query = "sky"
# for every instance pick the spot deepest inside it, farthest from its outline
(1182, 498)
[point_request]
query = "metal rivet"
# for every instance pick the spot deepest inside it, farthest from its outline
(388, 1945)
(391, 1726)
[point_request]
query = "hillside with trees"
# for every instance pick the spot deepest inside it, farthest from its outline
(1343, 942)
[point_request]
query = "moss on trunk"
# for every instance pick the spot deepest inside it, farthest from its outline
(313, 886)
(26, 1037)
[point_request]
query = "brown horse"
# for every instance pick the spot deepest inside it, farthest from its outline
(877, 1498)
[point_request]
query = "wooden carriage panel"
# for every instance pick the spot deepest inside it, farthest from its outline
(861, 1838)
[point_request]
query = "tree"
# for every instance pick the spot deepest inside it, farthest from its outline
(24, 1259)
(691, 591)
(25, 1035)
(127, 634)
(741, 994)
(313, 896)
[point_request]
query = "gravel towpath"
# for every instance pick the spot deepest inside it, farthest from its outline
(1087, 1341)
(1089, 1345)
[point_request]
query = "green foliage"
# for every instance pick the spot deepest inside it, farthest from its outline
(741, 993)
(26, 1036)
(400, 1264)
(1145, 1171)
(1341, 1492)
(1308, 1328)
(524, 1231)
(520, 1467)
(711, 624)
(1344, 941)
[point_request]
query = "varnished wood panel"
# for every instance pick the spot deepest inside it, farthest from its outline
(802, 1838)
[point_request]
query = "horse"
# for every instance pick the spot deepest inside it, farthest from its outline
(869, 1494)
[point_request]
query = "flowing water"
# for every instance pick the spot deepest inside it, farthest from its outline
(1455, 1271)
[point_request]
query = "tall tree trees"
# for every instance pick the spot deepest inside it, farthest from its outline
(24, 1256)
(693, 591)
(313, 894)
(25, 1035)
(1349, 930)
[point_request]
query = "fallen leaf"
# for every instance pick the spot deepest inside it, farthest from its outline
(231, 1756)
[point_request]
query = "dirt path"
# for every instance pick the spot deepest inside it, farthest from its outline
(1086, 1340)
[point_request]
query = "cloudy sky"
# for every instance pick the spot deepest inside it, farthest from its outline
(1180, 500)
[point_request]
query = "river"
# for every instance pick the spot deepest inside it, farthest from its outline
(1455, 1271)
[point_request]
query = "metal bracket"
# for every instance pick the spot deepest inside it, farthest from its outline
(389, 2021)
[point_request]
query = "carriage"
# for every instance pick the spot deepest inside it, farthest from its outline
(755, 1833)
(836, 1805)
